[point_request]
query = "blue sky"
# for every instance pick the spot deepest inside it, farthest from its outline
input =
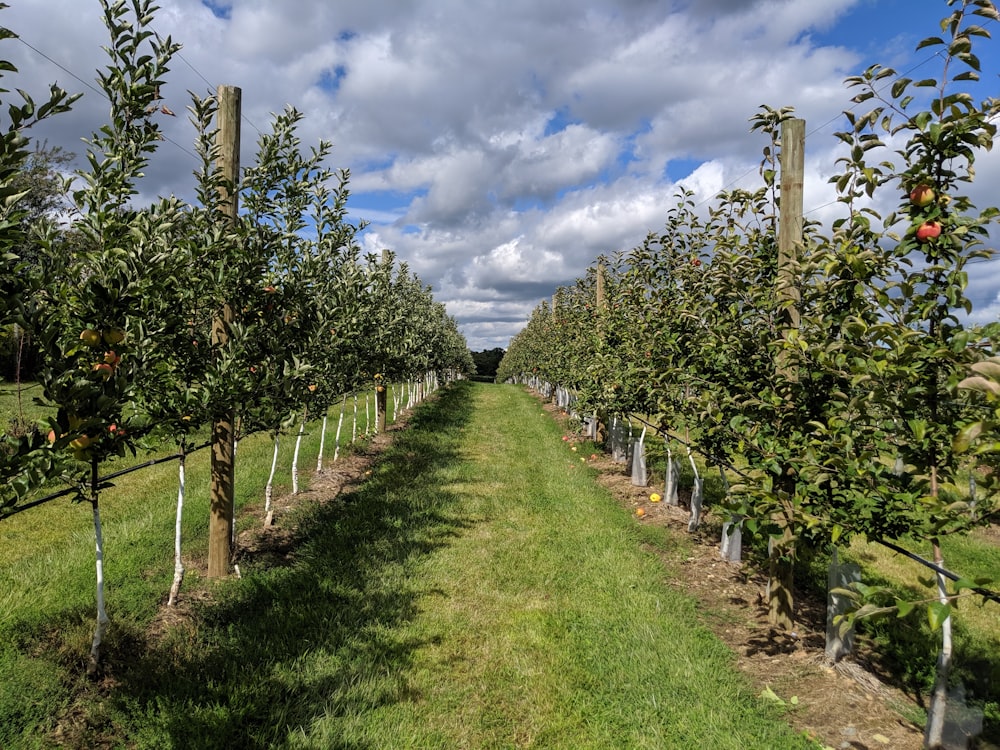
(499, 148)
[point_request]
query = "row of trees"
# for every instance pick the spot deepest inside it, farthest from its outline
(154, 321)
(825, 369)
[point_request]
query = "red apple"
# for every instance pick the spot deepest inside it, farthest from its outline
(928, 231)
(922, 195)
(104, 369)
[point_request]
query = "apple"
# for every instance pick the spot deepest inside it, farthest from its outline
(928, 231)
(90, 337)
(270, 289)
(114, 336)
(312, 388)
(52, 436)
(104, 369)
(922, 195)
(110, 358)
(696, 262)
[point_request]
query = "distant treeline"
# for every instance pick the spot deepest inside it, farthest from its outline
(487, 362)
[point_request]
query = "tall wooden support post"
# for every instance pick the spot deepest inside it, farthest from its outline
(600, 310)
(220, 527)
(381, 401)
(555, 324)
(781, 599)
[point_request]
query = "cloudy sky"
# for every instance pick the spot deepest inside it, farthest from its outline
(500, 147)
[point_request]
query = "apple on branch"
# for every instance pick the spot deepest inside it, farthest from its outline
(922, 195)
(928, 231)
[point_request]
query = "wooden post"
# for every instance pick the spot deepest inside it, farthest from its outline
(601, 307)
(781, 600)
(381, 402)
(221, 493)
(600, 294)
(793, 146)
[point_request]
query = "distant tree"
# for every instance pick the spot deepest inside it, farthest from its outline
(487, 362)
(43, 192)
(43, 183)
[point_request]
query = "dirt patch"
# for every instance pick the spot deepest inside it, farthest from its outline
(842, 706)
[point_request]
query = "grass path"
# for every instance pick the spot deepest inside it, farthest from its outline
(478, 591)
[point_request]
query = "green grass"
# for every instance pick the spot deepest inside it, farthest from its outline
(17, 406)
(478, 591)
(909, 649)
(47, 607)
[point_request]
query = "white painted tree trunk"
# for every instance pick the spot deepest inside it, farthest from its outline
(322, 445)
(102, 615)
(375, 427)
(934, 731)
(696, 496)
(340, 423)
(670, 484)
(269, 488)
(178, 564)
(639, 478)
(354, 426)
(368, 419)
(295, 453)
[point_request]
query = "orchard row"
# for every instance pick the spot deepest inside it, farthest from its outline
(823, 366)
(154, 321)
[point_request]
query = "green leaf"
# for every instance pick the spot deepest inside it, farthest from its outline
(903, 607)
(937, 613)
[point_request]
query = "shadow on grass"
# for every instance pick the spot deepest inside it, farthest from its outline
(903, 652)
(323, 636)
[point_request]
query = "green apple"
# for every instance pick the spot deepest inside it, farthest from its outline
(90, 337)
(114, 336)
(922, 195)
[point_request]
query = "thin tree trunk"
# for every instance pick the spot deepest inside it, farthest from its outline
(269, 488)
(295, 453)
(934, 731)
(102, 615)
(696, 495)
(354, 425)
(368, 419)
(322, 445)
(178, 565)
(340, 423)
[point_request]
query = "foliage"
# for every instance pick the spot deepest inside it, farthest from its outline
(835, 393)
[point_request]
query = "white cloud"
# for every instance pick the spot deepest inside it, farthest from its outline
(499, 148)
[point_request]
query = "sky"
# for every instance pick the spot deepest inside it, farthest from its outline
(499, 148)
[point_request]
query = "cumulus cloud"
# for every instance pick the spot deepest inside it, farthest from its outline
(500, 148)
